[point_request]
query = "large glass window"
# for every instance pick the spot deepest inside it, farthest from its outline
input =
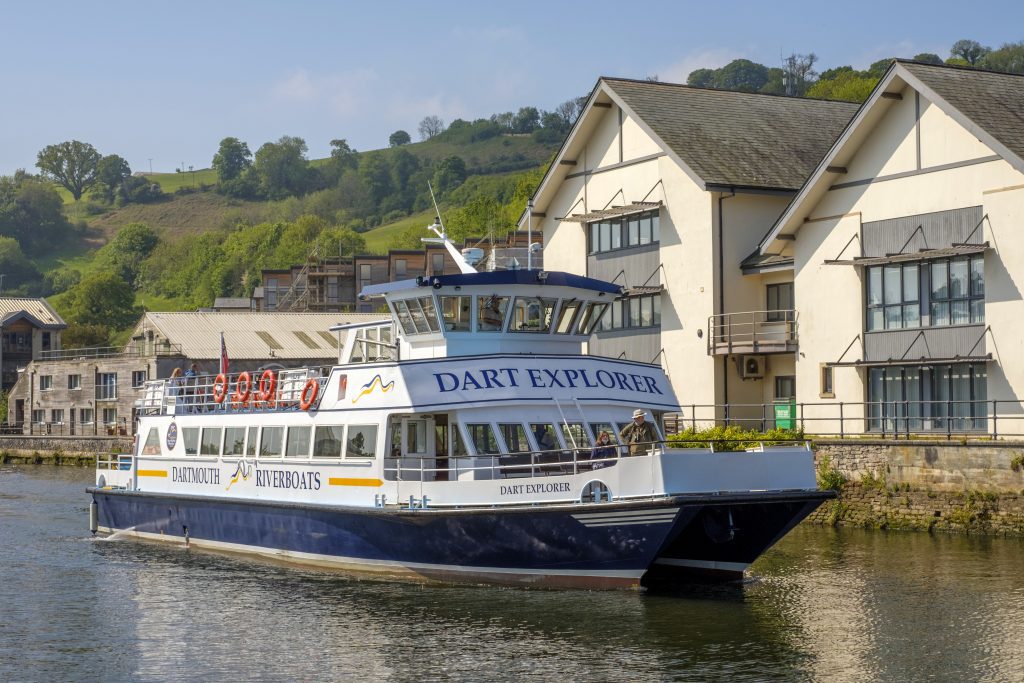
(490, 312)
(514, 435)
(928, 398)
(544, 435)
(190, 439)
(532, 314)
(483, 438)
(893, 297)
(362, 441)
(634, 311)
(574, 435)
(625, 232)
(234, 440)
(270, 442)
(958, 291)
(297, 445)
(210, 444)
(456, 312)
(328, 440)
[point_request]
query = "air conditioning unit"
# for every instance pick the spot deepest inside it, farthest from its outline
(752, 367)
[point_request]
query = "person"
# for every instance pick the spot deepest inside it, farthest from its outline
(545, 439)
(491, 316)
(639, 433)
(192, 383)
(603, 450)
(175, 384)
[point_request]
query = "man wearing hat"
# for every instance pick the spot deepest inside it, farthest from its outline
(639, 434)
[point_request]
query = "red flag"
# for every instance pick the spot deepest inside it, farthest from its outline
(223, 355)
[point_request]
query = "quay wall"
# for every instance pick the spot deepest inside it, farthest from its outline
(60, 450)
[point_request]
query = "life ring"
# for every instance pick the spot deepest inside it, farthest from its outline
(309, 393)
(243, 388)
(220, 388)
(267, 386)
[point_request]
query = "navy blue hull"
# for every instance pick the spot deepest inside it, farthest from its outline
(589, 545)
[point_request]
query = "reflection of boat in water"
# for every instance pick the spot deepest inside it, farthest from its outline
(454, 441)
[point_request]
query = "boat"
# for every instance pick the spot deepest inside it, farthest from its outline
(454, 441)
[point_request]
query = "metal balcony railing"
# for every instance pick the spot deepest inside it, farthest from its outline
(753, 332)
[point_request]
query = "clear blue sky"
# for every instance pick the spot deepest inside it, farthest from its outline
(167, 81)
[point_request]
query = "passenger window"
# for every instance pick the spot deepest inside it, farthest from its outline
(298, 442)
(250, 443)
(328, 440)
(234, 440)
(152, 446)
(490, 313)
(598, 427)
(211, 441)
(544, 435)
(270, 442)
(483, 439)
(190, 438)
(514, 435)
(574, 435)
(362, 441)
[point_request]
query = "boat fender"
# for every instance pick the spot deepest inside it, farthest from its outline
(94, 517)
(309, 392)
(243, 388)
(220, 388)
(267, 387)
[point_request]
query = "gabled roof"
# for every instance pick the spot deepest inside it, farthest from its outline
(988, 104)
(36, 311)
(251, 336)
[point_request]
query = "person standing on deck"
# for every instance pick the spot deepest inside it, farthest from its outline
(639, 434)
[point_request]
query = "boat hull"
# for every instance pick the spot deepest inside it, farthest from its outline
(597, 546)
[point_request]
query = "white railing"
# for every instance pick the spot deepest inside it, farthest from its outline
(185, 395)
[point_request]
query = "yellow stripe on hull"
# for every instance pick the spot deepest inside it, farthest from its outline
(153, 473)
(347, 481)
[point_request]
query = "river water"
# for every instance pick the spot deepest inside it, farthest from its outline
(823, 605)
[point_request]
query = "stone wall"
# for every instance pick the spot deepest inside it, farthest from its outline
(73, 450)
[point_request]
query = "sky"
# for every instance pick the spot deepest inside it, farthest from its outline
(161, 84)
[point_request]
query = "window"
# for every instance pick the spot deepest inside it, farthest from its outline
(490, 312)
(270, 293)
(332, 289)
(417, 316)
(85, 416)
(514, 435)
(106, 386)
(893, 296)
(362, 441)
(250, 441)
(74, 382)
(365, 275)
(634, 312)
(190, 439)
(598, 427)
(327, 441)
(110, 416)
(566, 317)
(626, 232)
(458, 444)
(45, 382)
(46, 343)
(271, 441)
(234, 440)
(298, 442)
(57, 416)
(574, 435)
(152, 445)
(780, 302)
(928, 397)
(958, 291)
(827, 388)
(785, 387)
(39, 416)
(591, 317)
(483, 439)
(455, 310)
(532, 314)
(210, 445)
(544, 435)
(400, 267)
(138, 378)
(437, 264)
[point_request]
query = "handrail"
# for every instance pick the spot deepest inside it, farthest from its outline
(132, 351)
(752, 330)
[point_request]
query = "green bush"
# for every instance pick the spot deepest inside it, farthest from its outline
(828, 476)
(732, 438)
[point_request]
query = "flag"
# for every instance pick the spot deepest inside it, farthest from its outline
(223, 355)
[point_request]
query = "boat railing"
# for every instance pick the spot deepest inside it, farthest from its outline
(205, 394)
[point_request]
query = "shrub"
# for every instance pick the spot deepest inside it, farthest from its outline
(732, 438)
(828, 476)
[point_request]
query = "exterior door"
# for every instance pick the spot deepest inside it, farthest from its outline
(418, 448)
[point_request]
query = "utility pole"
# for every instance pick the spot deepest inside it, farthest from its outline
(151, 166)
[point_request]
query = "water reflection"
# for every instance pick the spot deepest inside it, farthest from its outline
(823, 605)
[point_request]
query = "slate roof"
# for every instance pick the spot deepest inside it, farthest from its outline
(738, 139)
(993, 101)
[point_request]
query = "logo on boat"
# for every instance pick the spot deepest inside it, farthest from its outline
(242, 473)
(172, 436)
(374, 383)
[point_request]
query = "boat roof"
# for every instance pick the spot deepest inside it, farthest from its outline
(498, 277)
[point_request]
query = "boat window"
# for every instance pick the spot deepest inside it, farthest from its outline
(430, 313)
(328, 440)
(514, 435)
(566, 317)
(211, 441)
(490, 312)
(574, 435)
(458, 444)
(362, 441)
(455, 310)
(152, 446)
(250, 444)
(270, 442)
(544, 435)
(532, 314)
(419, 320)
(234, 440)
(483, 439)
(298, 442)
(396, 438)
(402, 312)
(190, 437)
(598, 427)
(591, 317)
(416, 436)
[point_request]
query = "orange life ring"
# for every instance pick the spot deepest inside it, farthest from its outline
(309, 393)
(267, 387)
(220, 388)
(240, 396)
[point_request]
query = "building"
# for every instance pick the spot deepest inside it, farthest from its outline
(93, 391)
(28, 328)
(666, 189)
(907, 260)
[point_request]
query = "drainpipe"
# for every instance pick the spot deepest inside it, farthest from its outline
(721, 288)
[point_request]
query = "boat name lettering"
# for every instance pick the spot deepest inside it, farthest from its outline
(196, 475)
(286, 479)
(549, 487)
(543, 378)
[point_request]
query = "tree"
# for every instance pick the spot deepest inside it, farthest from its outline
(743, 75)
(282, 167)
(570, 110)
(102, 299)
(847, 86)
(798, 73)
(1009, 59)
(125, 253)
(111, 172)
(232, 159)
(343, 155)
(527, 120)
(971, 51)
(20, 275)
(431, 126)
(450, 174)
(701, 78)
(928, 58)
(84, 336)
(72, 164)
(878, 69)
(31, 211)
(375, 172)
(399, 138)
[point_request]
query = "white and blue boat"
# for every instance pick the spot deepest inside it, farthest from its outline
(453, 441)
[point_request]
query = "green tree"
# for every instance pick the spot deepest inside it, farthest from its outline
(743, 75)
(282, 167)
(20, 275)
(878, 69)
(125, 253)
(399, 138)
(701, 78)
(375, 172)
(102, 299)
(72, 164)
(31, 211)
(1009, 58)
(527, 120)
(450, 173)
(232, 159)
(971, 51)
(83, 336)
(846, 86)
(111, 173)
(928, 58)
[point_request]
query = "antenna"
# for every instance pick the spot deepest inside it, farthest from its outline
(442, 238)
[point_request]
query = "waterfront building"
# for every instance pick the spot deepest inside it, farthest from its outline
(906, 255)
(666, 190)
(94, 390)
(28, 328)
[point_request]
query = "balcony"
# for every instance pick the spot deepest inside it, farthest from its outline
(752, 332)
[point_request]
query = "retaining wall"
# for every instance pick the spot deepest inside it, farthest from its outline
(60, 450)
